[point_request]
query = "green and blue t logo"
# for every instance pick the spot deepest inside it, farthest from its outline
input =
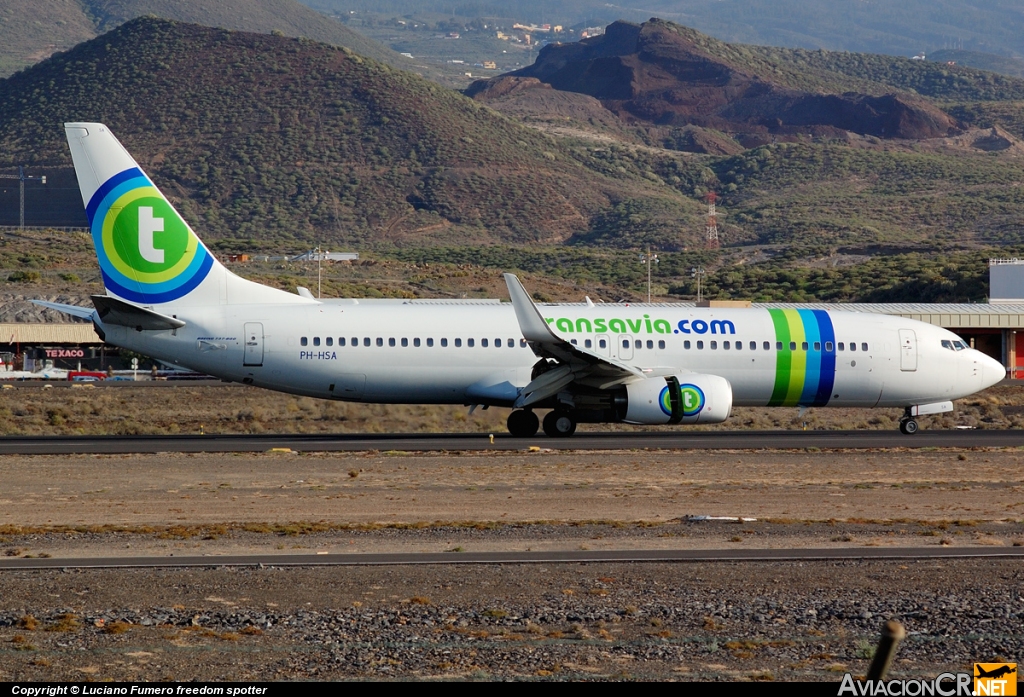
(147, 253)
(691, 400)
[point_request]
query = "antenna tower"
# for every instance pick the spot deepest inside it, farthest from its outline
(711, 236)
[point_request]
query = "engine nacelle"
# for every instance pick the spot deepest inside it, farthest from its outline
(691, 398)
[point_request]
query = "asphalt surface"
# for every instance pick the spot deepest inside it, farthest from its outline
(462, 558)
(666, 440)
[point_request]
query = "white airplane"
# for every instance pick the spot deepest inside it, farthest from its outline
(169, 298)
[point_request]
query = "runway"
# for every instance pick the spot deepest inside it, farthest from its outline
(553, 557)
(418, 442)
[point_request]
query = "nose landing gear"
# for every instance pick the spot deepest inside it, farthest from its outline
(908, 426)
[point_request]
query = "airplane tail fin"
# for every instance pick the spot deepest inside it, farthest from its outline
(148, 254)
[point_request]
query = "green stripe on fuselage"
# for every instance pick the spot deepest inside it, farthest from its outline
(783, 358)
(790, 365)
(798, 366)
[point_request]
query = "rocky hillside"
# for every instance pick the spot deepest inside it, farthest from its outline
(278, 140)
(654, 74)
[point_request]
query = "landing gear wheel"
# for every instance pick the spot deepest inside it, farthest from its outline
(559, 424)
(523, 423)
(908, 426)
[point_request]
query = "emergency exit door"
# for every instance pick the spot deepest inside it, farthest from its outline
(908, 350)
(253, 343)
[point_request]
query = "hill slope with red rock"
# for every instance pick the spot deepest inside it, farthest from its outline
(656, 74)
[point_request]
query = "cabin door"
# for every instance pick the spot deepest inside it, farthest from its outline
(625, 347)
(908, 350)
(253, 343)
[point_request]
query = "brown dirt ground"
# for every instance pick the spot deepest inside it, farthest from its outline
(250, 502)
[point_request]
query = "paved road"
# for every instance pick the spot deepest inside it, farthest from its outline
(570, 557)
(670, 440)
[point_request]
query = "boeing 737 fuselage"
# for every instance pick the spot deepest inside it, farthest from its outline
(169, 298)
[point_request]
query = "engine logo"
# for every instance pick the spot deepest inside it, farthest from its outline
(692, 398)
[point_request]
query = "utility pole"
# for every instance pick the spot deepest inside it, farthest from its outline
(22, 179)
(698, 273)
(650, 260)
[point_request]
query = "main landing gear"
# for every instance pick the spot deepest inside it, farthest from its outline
(523, 423)
(559, 424)
(908, 426)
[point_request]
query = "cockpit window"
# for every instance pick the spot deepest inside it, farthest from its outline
(947, 344)
(959, 345)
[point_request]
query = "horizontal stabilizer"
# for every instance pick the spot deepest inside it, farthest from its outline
(114, 311)
(73, 310)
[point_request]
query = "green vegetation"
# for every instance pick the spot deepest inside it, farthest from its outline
(275, 139)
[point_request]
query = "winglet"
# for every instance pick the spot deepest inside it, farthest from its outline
(531, 323)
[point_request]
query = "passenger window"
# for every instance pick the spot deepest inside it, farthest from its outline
(792, 346)
(380, 341)
(304, 341)
(714, 345)
(330, 341)
(650, 343)
(430, 343)
(458, 343)
(753, 345)
(803, 345)
(469, 343)
(828, 346)
(573, 342)
(700, 345)
(483, 343)
(416, 342)
(444, 343)
(725, 345)
(661, 343)
(768, 346)
(739, 345)
(316, 341)
(638, 343)
(366, 341)
(391, 341)
(405, 342)
(817, 345)
(853, 345)
(863, 347)
(341, 341)
(588, 343)
(778, 345)
(842, 346)
(625, 343)
(602, 343)
(686, 345)
(511, 343)
(522, 343)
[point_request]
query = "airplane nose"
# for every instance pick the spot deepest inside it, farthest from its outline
(990, 370)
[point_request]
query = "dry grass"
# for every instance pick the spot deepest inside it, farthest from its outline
(218, 409)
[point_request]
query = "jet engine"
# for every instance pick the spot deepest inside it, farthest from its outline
(679, 399)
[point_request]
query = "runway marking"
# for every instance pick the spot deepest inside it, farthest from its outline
(566, 557)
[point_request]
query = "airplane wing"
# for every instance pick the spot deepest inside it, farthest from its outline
(577, 364)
